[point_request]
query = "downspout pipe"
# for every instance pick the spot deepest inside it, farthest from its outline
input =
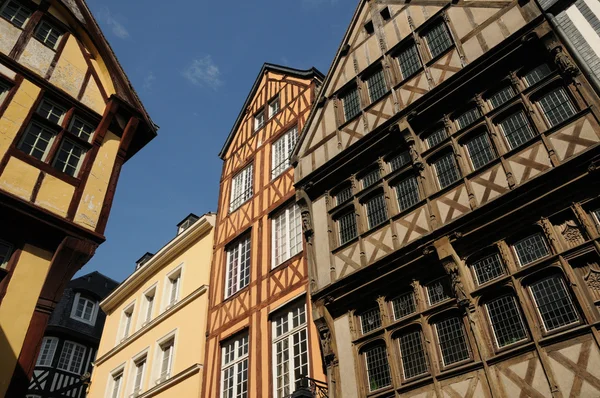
(583, 66)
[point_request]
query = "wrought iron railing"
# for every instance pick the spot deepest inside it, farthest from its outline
(307, 387)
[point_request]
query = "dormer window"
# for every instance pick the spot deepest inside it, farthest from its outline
(143, 260)
(84, 309)
(186, 223)
(273, 107)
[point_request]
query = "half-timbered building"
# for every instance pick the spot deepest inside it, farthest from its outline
(70, 343)
(260, 338)
(448, 174)
(69, 120)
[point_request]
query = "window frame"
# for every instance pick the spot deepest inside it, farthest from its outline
(528, 236)
(349, 212)
(416, 189)
(510, 113)
(432, 26)
(246, 174)
(292, 224)
(569, 297)
(364, 354)
(410, 47)
(474, 262)
(373, 311)
(289, 140)
(351, 90)
(143, 358)
(21, 7)
(49, 145)
(241, 340)
(569, 101)
(169, 340)
(490, 146)
(257, 123)
(125, 323)
(148, 310)
(434, 162)
(53, 341)
(115, 375)
(274, 110)
(445, 286)
(439, 344)
(372, 81)
(404, 332)
(239, 244)
(492, 328)
(71, 357)
(413, 299)
(177, 274)
(76, 300)
(66, 165)
(53, 28)
(377, 195)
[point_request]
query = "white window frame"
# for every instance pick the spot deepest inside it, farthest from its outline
(21, 7)
(79, 297)
(257, 123)
(54, 28)
(53, 341)
(241, 181)
(517, 308)
(289, 140)
(54, 105)
(83, 358)
(159, 357)
(240, 245)
(289, 335)
(274, 110)
(146, 318)
(238, 359)
(168, 290)
(112, 378)
(290, 221)
(142, 356)
(44, 128)
(9, 251)
(84, 122)
(70, 154)
(125, 332)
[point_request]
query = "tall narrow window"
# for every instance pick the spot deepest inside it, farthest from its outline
(553, 303)
(84, 309)
(234, 368)
(467, 118)
(506, 321)
(436, 137)
(282, 149)
(480, 150)
(290, 349)
(259, 120)
(446, 170)
(378, 368)
(537, 74)
(273, 107)
(241, 188)
(516, 129)
(238, 266)
(174, 287)
(69, 158)
(487, 269)
(400, 160)
(5, 252)
(452, 340)
(557, 106)
(376, 210)
(149, 298)
(16, 13)
(71, 357)
(140, 371)
(404, 305)
(531, 249)
(343, 195)
(370, 320)
(287, 234)
(47, 351)
(347, 227)
(376, 84)
(37, 141)
(412, 353)
(438, 291)
(438, 39)
(48, 34)
(409, 61)
(501, 96)
(116, 382)
(407, 192)
(351, 104)
(126, 322)
(166, 359)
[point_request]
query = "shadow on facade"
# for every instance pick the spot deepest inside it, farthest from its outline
(8, 359)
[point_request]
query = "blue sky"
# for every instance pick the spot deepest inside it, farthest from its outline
(193, 63)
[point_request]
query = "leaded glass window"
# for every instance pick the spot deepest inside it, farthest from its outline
(436, 137)
(506, 321)
(412, 354)
(400, 160)
(371, 178)
(531, 249)
(452, 340)
(487, 269)
(351, 104)
(516, 129)
(467, 118)
(407, 191)
(438, 39)
(446, 170)
(409, 61)
(557, 106)
(378, 368)
(438, 291)
(553, 303)
(343, 195)
(404, 305)
(501, 96)
(480, 150)
(347, 227)
(370, 320)
(537, 74)
(376, 210)
(376, 84)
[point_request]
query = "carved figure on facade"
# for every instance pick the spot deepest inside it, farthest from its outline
(326, 341)
(451, 269)
(564, 63)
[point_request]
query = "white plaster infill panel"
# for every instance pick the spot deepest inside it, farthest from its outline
(37, 57)
(574, 138)
(489, 184)
(378, 244)
(9, 34)
(453, 204)
(530, 162)
(522, 375)
(412, 226)
(347, 260)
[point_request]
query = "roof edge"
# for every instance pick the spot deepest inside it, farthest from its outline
(304, 73)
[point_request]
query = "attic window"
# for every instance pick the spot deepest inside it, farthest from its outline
(145, 258)
(369, 28)
(385, 14)
(186, 223)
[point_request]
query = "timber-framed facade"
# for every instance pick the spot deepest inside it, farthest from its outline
(450, 171)
(260, 338)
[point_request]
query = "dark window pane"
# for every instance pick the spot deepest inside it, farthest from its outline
(438, 291)
(506, 321)
(400, 160)
(376, 84)
(436, 137)
(446, 170)
(536, 74)
(347, 227)
(413, 355)
(531, 249)
(376, 211)
(554, 303)
(378, 369)
(557, 106)
(409, 61)
(501, 96)
(371, 178)
(343, 195)
(468, 118)
(480, 150)
(438, 39)
(408, 193)
(488, 268)
(370, 320)
(351, 104)
(516, 129)
(404, 305)
(452, 340)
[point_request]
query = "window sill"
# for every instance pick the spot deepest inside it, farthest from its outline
(565, 331)
(416, 381)
(459, 367)
(380, 392)
(287, 262)
(345, 245)
(514, 350)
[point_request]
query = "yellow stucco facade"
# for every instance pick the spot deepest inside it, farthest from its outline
(55, 92)
(138, 334)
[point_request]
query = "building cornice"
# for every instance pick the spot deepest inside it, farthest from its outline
(159, 319)
(160, 259)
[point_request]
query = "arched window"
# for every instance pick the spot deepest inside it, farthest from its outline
(506, 320)
(378, 368)
(412, 353)
(553, 302)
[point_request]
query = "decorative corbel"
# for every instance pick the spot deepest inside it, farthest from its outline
(451, 269)
(564, 63)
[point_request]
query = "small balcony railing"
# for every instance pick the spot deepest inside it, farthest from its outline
(307, 387)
